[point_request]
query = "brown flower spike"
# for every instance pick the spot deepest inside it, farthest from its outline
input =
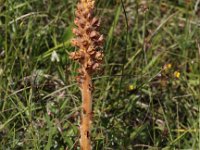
(89, 56)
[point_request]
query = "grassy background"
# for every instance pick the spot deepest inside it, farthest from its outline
(146, 97)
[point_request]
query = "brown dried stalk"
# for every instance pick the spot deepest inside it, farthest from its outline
(89, 56)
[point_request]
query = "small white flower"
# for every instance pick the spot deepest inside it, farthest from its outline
(54, 57)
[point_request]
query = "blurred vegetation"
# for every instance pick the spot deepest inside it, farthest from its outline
(146, 97)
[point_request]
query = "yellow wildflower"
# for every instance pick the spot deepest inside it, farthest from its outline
(131, 87)
(177, 74)
(167, 67)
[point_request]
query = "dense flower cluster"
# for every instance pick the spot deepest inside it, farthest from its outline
(88, 39)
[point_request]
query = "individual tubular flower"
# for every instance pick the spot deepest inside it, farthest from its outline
(89, 42)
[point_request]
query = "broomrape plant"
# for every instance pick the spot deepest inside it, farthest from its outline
(89, 56)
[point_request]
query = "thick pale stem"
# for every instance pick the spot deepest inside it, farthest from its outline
(86, 113)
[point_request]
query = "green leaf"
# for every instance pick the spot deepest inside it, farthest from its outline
(67, 33)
